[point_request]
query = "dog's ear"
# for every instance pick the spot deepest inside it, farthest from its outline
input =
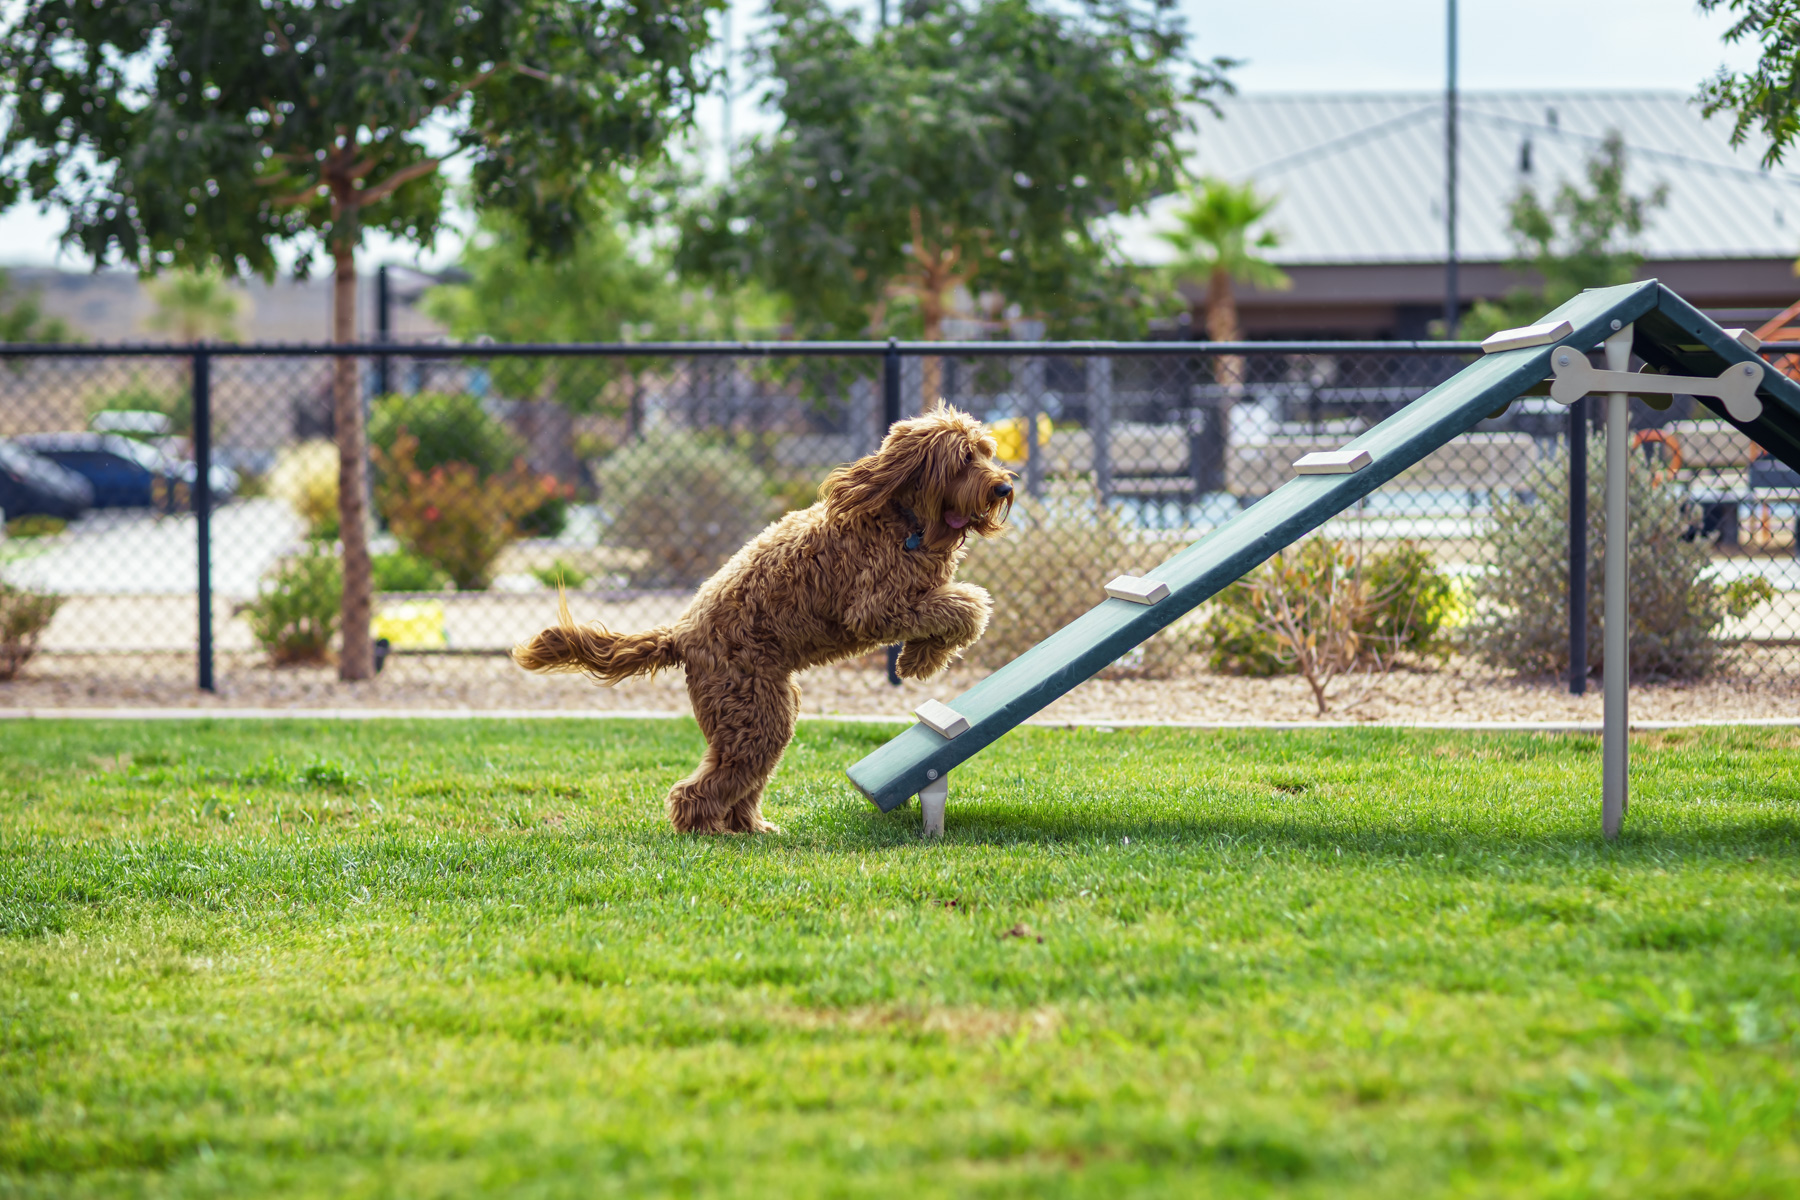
(865, 486)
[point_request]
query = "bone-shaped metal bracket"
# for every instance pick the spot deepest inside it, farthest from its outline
(1577, 377)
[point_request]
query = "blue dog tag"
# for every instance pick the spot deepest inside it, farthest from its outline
(914, 541)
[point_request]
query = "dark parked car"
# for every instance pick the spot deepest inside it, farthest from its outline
(32, 485)
(127, 473)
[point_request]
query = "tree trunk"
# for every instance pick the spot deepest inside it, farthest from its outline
(357, 661)
(1222, 326)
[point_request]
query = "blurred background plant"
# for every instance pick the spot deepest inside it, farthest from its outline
(1581, 239)
(295, 616)
(452, 516)
(173, 401)
(404, 572)
(455, 428)
(687, 501)
(1677, 605)
(561, 574)
(1049, 567)
(305, 475)
(22, 318)
(196, 305)
(24, 615)
(1323, 609)
(37, 525)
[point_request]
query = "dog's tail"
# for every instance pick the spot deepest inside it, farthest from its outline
(607, 656)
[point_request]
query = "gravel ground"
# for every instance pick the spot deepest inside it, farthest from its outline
(1463, 690)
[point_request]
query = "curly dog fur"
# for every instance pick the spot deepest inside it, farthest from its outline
(871, 564)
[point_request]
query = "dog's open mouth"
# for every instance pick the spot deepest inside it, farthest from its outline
(955, 520)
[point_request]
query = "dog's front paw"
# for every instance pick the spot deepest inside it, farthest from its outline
(924, 658)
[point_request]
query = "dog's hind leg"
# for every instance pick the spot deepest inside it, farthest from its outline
(748, 720)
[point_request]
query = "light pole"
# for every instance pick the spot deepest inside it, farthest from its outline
(1452, 304)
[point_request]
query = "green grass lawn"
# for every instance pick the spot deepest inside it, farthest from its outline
(449, 958)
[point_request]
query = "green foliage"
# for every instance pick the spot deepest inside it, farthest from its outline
(1676, 606)
(1581, 240)
(296, 615)
(609, 287)
(404, 572)
(1764, 97)
(561, 573)
(450, 428)
(221, 128)
(139, 395)
(1345, 963)
(192, 306)
(24, 615)
(962, 146)
(1402, 604)
(23, 319)
(687, 503)
(35, 526)
(451, 514)
(1216, 241)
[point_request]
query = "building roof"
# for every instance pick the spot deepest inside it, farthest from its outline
(1360, 176)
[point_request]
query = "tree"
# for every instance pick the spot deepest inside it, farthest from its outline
(192, 305)
(1581, 240)
(608, 287)
(210, 133)
(1766, 97)
(975, 144)
(1220, 233)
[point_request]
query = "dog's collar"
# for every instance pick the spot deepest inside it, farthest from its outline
(915, 540)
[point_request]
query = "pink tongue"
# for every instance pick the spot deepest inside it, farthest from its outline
(955, 520)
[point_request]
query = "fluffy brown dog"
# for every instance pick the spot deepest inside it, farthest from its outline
(869, 565)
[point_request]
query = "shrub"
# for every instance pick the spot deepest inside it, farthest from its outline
(451, 515)
(1050, 567)
(403, 572)
(1321, 610)
(174, 402)
(1522, 597)
(686, 502)
(23, 618)
(296, 616)
(454, 428)
(35, 526)
(306, 476)
(561, 573)
(1394, 601)
(447, 428)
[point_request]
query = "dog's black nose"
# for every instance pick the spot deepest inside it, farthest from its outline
(1003, 489)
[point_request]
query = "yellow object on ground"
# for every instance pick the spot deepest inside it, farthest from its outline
(1009, 435)
(414, 625)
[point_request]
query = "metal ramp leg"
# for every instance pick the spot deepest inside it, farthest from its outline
(931, 801)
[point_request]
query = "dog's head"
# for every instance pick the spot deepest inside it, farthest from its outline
(941, 466)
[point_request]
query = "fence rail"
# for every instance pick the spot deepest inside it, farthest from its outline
(632, 470)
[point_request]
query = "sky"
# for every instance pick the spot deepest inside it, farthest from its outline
(1298, 45)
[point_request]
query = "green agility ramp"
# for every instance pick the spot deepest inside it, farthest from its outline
(1663, 329)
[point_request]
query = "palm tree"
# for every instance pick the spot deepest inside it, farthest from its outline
(1220, 233)
(193, 305)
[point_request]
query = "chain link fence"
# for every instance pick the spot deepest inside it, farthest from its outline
(629, 474)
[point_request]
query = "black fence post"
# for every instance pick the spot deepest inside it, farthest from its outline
(1578, 586)
(890, 386)
(890, 413)
(202, 499)
(383, 328)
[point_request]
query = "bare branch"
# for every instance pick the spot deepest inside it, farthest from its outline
(386, 188)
